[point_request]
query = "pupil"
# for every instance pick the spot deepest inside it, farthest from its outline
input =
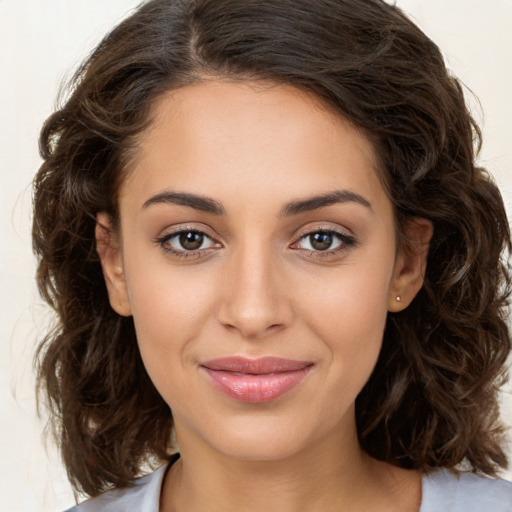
(191, 240)
(321, 241)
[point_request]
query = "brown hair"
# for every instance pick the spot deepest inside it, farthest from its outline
(432, 398)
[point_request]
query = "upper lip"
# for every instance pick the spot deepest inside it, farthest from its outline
(260, 366)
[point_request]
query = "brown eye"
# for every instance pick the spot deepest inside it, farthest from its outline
(321, 241)
(186, 241)
(191, 240)
(325, 241)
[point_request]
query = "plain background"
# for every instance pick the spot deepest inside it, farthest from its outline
(41, 43)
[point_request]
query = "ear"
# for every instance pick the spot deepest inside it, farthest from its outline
(109, 251)
(410, 264)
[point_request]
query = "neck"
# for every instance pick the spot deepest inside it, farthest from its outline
(317, 479)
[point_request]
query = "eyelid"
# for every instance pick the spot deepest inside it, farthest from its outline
(173, 231)
(347, 240)
(311, 228)
(179, 228)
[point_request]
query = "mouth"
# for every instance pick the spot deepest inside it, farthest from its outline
(255, 380)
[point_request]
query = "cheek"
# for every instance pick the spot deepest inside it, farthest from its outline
(170, 309)
(348, 312)
(355, 295)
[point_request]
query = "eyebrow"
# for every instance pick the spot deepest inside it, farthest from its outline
(202, 203)
(316, 202)
(209, 205)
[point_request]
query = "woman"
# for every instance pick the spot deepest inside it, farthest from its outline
(270, 250)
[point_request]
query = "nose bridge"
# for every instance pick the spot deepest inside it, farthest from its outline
(254, 301)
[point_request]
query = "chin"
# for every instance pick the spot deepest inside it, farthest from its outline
(262, 439)
(261, 449)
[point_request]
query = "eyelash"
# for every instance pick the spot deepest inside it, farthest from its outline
(164, 243)
(345, 242)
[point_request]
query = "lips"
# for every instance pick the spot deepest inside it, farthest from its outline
(255, 380)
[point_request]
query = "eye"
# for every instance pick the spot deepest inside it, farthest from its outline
(324, 241)
(185, 241)
(320, 241)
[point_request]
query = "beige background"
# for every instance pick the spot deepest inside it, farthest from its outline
(41, 42)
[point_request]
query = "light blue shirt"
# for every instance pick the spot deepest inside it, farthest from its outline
(442, 491)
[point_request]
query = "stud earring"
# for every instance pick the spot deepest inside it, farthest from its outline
(398, 298)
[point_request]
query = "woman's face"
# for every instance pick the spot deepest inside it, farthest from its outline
(257, 254)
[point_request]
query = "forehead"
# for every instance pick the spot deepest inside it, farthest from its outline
(219, 137)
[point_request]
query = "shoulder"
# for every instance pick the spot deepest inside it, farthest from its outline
(446, 491)
(142, 496)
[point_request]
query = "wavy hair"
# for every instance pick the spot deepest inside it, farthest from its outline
(432, 399)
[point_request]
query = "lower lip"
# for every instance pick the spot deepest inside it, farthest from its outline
(255, 389)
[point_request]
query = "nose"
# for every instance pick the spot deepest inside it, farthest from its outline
(255, 299)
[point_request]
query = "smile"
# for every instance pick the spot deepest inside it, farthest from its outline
(255, 380)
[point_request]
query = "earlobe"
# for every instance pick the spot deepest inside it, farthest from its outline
(410, 264)
(109, 251)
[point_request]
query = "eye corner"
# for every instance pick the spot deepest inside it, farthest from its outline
(322, 246)
(186, 242)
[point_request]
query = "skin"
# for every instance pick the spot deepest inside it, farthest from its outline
(257, 287)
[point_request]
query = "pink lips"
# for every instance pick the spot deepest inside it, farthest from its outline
(255, 380)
